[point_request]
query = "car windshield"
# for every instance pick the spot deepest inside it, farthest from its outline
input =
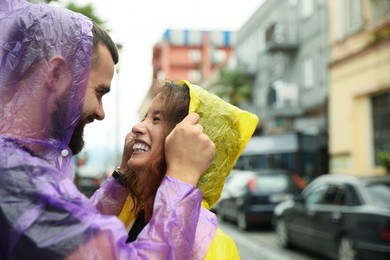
(272, 183)
(380, 194)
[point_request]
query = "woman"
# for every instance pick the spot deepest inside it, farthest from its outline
(227, 126)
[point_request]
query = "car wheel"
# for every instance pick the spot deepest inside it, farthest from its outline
(282, 233)
(242, 221)
(346, 250)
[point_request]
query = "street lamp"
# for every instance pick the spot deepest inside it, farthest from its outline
(117, 148)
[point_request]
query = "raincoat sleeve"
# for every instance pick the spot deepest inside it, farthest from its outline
(205, 231)
(110, 198)
(169, 234)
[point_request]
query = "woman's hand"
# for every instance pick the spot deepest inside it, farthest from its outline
(188, 151)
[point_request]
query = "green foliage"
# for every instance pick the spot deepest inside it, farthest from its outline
(87, 10)
(383, 158)
(235, 86)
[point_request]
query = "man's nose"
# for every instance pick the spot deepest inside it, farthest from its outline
(100, 112)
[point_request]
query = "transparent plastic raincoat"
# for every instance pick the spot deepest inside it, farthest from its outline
(230, 128)
(42, 214)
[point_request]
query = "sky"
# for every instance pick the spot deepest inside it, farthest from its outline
(137, 26)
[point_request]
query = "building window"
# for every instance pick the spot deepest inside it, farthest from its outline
(194, 76)
(381, 122)
(356, 16)
(282, 94)
(217, 38)
(261, 40)
(275, 34)
(321, 68)
(350, 17)
(379, 9)
(195, 38)
(219, 56)
(177, 37)
(195, 55)
(307, 8)
(308, 73)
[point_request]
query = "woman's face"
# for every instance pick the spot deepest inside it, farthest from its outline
(149, 139)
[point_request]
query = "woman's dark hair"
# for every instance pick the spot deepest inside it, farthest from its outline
(143, 185)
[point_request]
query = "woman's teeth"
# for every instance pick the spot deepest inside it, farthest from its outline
(139, 147)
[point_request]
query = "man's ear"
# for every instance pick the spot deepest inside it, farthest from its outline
(58, 76)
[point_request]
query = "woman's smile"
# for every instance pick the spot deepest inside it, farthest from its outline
(141, 148)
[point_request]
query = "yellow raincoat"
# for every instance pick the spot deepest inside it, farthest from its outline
(230, 128)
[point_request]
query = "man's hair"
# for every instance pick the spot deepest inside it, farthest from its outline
(101, 36)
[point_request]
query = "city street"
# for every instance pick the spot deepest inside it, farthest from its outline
(261, 244)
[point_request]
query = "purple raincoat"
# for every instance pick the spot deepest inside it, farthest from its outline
(42, 214)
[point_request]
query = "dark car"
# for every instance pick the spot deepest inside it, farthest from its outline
(89, 178)
(249, 197)
(339, 216)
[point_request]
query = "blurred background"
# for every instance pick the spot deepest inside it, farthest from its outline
(316, 72)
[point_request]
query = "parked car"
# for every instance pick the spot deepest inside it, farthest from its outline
(89, 178)
(339, 216)
(249, 197)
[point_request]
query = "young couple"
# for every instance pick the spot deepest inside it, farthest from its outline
(55, 68)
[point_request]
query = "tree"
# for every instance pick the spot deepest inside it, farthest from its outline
(87, 10)
(234, 86)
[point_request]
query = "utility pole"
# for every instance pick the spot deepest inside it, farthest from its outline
(118, 146)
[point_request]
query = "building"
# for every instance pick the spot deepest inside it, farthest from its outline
(189, 54)
(359, 104)
(284, 45)
(192, 55)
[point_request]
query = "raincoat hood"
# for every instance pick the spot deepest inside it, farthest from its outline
(31, 35)
(230, 128)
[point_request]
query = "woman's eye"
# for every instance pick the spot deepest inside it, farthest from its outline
(156, 119)
(145, 116)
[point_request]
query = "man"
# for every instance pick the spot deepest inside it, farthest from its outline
(55, 67)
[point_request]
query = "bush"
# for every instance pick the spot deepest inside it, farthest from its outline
(383, 158)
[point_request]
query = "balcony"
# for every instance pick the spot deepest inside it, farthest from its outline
(285, 111)
(273, 65)
(281, 37)
(282, 100)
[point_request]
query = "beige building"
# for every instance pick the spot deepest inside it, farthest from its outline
(359, 85)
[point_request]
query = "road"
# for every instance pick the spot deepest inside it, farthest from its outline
(260, 244)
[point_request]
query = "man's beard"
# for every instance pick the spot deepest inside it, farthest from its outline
(76, 143)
